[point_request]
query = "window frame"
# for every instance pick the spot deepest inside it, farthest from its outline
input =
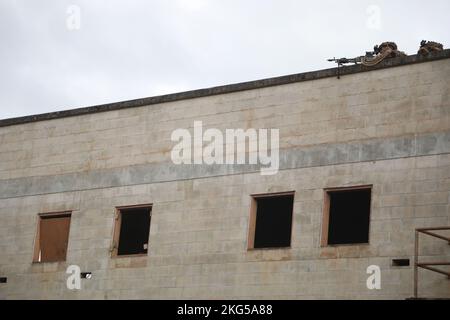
(37, 238)
(118, 225)
(252, 219)
(326, 214)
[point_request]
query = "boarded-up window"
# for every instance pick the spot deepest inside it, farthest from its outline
(52, 237)
(132, 230)
(271, 221)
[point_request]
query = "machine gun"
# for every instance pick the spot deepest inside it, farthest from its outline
(358, 60)
(342, 61)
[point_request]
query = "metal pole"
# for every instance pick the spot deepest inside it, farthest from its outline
(416, 255)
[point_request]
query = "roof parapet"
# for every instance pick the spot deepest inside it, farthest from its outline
(230, 88)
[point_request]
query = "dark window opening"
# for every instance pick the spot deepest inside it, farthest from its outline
(349, 216)
(400, 262)
(53, 237)
(134, 231)
(3, 279)
(273, 221)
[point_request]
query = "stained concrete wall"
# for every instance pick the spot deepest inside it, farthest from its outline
(389, 128)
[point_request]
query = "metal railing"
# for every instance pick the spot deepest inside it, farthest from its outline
(428, 265)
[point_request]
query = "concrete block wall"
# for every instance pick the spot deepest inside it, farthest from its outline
(389, 128)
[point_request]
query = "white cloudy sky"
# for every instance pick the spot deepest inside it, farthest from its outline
(138, 48)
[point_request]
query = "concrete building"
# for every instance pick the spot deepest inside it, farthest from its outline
(72, 182)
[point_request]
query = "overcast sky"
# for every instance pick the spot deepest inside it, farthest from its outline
(58, 55)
